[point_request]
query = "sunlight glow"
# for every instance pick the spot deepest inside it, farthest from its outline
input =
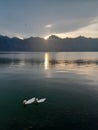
(46, 37)
(20, 37)
(46, 61)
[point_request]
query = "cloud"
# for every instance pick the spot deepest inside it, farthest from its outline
(88, 31)
(68, 25)
(74, 28)
(48, 26)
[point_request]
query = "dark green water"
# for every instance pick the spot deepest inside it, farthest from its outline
(69, 81)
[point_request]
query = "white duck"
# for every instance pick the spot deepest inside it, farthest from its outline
(33, 100)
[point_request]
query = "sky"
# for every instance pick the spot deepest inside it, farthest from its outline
(42, 18)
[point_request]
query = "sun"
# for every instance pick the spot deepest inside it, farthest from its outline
(46, 37)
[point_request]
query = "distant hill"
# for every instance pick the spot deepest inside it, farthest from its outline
(53, 43)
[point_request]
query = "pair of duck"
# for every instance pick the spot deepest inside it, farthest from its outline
(33, 100)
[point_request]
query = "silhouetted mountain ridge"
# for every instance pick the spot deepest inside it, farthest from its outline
(53, 43)
(53, 37)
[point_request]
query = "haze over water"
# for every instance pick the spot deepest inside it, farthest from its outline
(68, 80)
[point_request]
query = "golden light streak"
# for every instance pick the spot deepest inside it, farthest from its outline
(46, 61)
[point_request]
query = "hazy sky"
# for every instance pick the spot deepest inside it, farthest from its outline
(65, 18)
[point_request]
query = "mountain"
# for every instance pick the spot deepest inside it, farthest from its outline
(53, 43)
(53, 37)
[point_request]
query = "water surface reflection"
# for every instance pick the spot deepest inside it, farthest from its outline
(59, 61)
(67, 80)
(46, 61)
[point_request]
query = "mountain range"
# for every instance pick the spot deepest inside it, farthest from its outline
(53, 43)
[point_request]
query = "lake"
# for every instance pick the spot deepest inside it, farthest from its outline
(68, 81)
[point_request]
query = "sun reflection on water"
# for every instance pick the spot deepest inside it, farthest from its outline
(46, 61)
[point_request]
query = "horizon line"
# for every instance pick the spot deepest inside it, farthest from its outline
(47, 37)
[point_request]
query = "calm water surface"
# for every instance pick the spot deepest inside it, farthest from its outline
(69, 81)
